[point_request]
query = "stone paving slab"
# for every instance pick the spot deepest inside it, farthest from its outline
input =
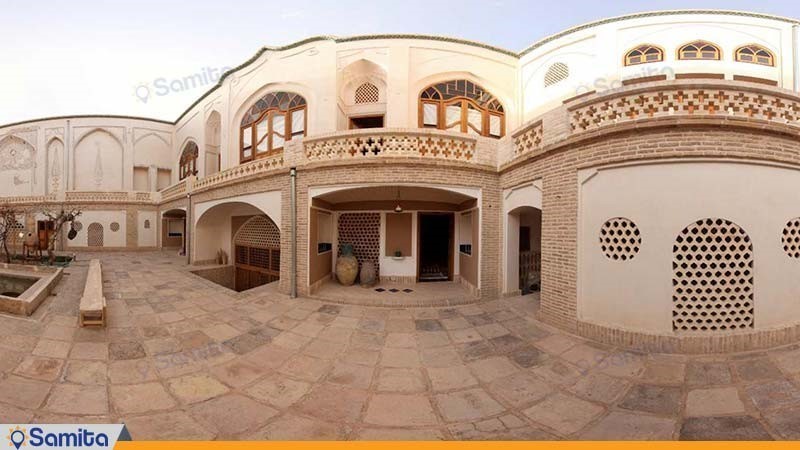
(182, 358)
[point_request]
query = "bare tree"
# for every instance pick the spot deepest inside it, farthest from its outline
(59, 216)
(8, 226)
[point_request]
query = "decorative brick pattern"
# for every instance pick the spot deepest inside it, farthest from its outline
(259, 232)
(114, 226)
(388, 144)
(363, 232)
(688, 101)
(712, 277)
(367, 93)
(620, 239)
(529, 141)
(790, 238)
(243, 171)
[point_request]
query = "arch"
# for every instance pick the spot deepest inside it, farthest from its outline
(522, 264)
(755, 54)
(556, 73)
(273, 119)
(187, 165)
(461, 105)
(257, 253)
(699, 50)
(94, 235)
(712, 278)
(213, 129)
(97, 162)
(644, 54)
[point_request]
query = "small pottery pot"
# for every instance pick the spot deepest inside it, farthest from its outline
(346, 266)
(369, 274)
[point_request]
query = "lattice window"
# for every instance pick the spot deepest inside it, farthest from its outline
(712, 277)
(644, 54)
(700, 50)
(461, 105)
(275, 118)
(791, 238)
(367, 93)
(94, 235)
(147, 224)
(114, 226)
(755, 54)
(260, 232)
(557, 73)
(362, 231)
(620, 239)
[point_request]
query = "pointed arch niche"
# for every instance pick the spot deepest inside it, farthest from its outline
(362, 95)
(97, 163)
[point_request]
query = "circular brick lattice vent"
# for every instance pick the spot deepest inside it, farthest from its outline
(712, 278)
(77, 226)
(114, 226)
(367, 93)
(620, 239)
(791, 238)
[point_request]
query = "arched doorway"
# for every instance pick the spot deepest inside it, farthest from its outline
(524, 249)
(257, 253)
(173, 230)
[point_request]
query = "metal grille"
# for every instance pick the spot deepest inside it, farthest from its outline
(712, 278)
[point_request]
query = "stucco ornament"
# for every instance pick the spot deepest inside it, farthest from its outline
(98, 168)
(15, 154)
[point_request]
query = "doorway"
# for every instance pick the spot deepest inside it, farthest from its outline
(44, 230)
(366, 122)
(435, 247)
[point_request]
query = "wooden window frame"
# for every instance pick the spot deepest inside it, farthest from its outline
(642, 49)
(187, 165)
(441, 113)
(755, 48)
(288, 132)
(699, 45)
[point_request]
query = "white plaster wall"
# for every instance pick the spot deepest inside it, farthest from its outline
(147, 237)
(662, 199)
(104, 218)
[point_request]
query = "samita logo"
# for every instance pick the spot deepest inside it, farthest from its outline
(60, 436)
(17, 437)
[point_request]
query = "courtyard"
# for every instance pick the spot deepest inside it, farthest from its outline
(183, 358)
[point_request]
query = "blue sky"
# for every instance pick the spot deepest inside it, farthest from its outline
(89, 57)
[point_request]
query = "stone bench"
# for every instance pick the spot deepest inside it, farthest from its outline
(93, 303)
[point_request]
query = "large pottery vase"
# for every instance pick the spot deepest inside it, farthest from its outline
(346, 266)
(368, 274)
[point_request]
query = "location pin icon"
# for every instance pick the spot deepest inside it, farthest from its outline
(17, 438)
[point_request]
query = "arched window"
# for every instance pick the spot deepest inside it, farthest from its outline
(755, 54)
(461, 105)
(274, 119)
(556, 73)
(700, 50)
(367, 93)
(188, 162)
(644, 54)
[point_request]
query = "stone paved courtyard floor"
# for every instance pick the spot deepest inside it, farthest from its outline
(185, 359)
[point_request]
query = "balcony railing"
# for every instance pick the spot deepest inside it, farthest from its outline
(253, 168)
(177, 190)
(400, 143)
(682, 99)
(109, 197)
